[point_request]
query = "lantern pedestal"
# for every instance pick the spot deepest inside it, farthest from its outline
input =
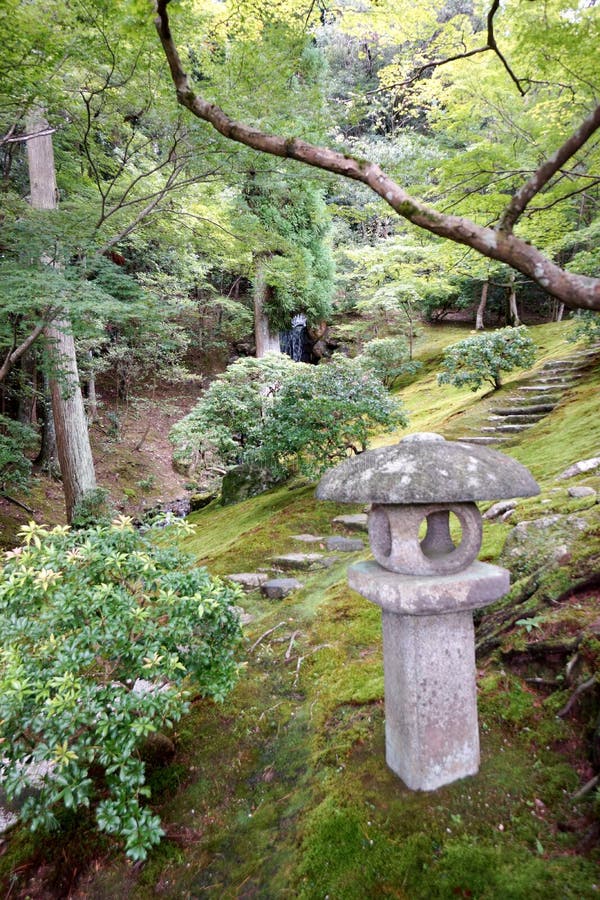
(432, 735)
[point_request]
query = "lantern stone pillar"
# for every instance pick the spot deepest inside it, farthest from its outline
(428, 587)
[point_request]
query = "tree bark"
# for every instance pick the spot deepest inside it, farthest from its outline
(72, 439)
(577, 291)
(479, 324)
(513, 312)
(267, 341)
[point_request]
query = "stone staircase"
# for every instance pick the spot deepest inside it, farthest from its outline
(531, 402)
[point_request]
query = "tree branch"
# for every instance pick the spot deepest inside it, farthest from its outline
(17, 352)
(578, 291)
(542, 176)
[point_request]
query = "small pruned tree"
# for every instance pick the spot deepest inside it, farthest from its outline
(389, 359)
(483, 358)
(323, 413)
(105, 635)
(283, 417)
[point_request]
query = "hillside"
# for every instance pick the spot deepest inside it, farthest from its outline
(283, 790)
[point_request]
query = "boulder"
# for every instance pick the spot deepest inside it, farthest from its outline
(578, 468)
(581, 491)
(249, 581)
(498, 509)
(303, 561)
(535, 545)
(243, 482)
(278, 588)
(356, 522)
(344, 544)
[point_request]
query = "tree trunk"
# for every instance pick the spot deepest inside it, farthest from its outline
(47, 458)
(479, 325)
(72, 439)
(267, 341)
(513, 313)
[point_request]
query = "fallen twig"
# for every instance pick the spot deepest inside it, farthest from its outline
(302, 658)
(587, 787)
(288, 652)
(585, 686)
(264, 635)
(16, 502)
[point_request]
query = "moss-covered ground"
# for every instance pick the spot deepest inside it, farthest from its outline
(283, 791)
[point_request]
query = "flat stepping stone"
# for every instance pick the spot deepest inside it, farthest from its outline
(249, 581)
(278, 588)
(522, 409)
(355, 522)
(507, 429)
(518, 419)
(479, 440)
(344, 544)
(308, 538)
(581, 491)
(303, 561)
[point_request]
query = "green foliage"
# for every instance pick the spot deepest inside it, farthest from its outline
(284, 416)
(321, 413)
(388, 359)
(94, 508)
(587, 326)
(15, 439)
(104, 634)
(295, 259)
(483, 357)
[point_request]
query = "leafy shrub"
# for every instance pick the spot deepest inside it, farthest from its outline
(103, 635)
(94, 508)
(321, 413)
(282, 416)
(389, 359)
(586, 327)
(15, 438)
(484, 357)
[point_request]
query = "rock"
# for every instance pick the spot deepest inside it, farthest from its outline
(249, 581)
(581, 491)
(243, 482)
(201, 499)
(278, 588)
(303, 561)
(356, 522)
(308, 538)
(245, 618)
(344, 544)
(543, 542)
(498, 509)
(7, 819)
(584, 465)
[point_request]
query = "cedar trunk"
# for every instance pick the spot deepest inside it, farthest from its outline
(72, 439)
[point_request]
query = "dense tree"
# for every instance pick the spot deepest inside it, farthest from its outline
(578, 122)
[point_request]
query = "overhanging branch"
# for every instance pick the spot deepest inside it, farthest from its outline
(578, 291)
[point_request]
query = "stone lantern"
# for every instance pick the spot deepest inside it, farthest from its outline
(428, 586)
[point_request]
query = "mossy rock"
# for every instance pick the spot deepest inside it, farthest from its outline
(243, 482)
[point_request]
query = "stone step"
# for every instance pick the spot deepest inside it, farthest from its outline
(542, 408)
(535, 399)
(507, 429)
(513, 419)
(571, 378)
(353, 522)
(303, 561)
(279, 588)
(344, 545)
(249, 581)
(478, 439)
(548, 388)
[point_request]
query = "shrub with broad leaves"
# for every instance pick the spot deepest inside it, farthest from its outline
(484, 357)
(105, 633)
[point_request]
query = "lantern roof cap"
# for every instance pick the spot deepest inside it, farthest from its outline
(426, 468)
